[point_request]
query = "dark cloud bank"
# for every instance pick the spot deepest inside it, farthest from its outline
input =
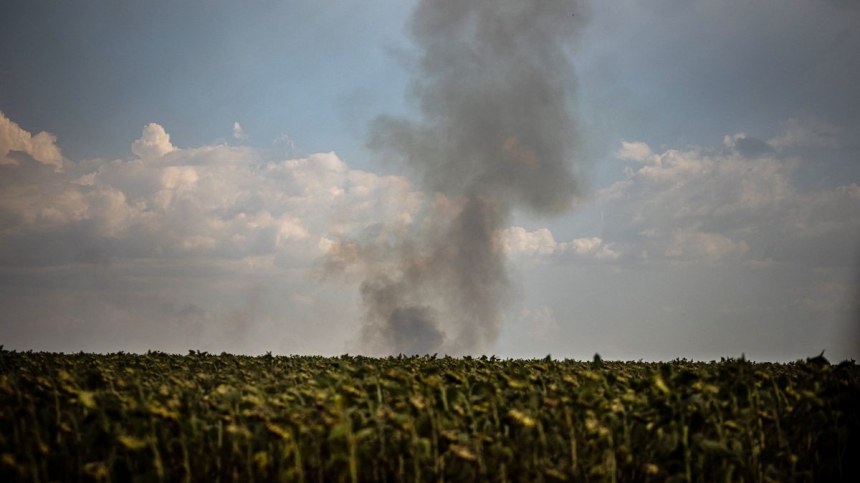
(495, 133)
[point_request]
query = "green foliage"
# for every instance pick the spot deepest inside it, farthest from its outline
(201, 417)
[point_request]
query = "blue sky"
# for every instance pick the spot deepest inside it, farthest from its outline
(199, 158)
(94, 73)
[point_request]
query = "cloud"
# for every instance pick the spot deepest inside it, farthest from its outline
(123, 251)
(518, 242)
(285, 143)
(738, 203)
(808, 132)
(591, 247)
(153, 143)
(213, 202)
(166, 249)
(238, 132)
(634, 151)
(42, 147)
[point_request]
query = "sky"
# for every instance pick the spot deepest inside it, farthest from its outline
(185, 175)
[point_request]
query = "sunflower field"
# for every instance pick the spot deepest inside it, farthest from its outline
(224, 418)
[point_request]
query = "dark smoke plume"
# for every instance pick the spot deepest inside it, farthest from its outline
(493, 84)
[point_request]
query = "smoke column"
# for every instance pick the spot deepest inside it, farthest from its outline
(493, 84)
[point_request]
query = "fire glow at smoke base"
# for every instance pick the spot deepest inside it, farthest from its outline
(494, 85)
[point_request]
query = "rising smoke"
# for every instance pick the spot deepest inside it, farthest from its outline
(493, 84)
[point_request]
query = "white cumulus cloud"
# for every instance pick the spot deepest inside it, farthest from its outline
(519, 242)
(42, 147)
(153, 143)
(634, 151)
(238, 132)
(216, 202)
(741, 203)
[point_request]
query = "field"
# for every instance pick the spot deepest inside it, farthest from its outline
(224, 418)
